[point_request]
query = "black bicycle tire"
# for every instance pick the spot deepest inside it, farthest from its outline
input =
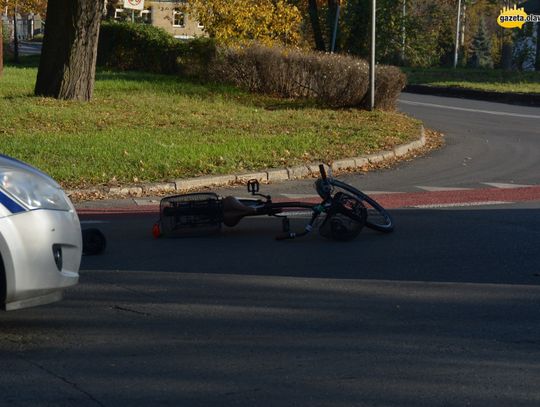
(386, 228)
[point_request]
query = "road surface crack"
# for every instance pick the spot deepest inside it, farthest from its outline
(117, 307)
(63, 379)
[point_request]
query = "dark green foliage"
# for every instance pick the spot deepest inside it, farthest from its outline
(138, 47)
(141, 47)
(429, 28)
(480, 49)
(6, 54)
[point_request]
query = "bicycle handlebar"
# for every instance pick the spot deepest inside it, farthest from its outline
(322, 170)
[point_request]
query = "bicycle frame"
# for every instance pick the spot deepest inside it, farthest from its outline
(207, 210)
(278, 209)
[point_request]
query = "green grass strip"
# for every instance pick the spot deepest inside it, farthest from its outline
(145, 128)
(495, 80)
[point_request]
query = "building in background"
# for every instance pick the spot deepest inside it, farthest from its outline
(167, 15)
(28, 25)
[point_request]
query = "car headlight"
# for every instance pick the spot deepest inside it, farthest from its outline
(32, 188)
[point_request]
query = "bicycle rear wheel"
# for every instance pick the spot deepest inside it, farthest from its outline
(378, 218)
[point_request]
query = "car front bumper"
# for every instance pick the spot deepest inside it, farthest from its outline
(28, 243)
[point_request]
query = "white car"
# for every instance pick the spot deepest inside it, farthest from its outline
(40, 237)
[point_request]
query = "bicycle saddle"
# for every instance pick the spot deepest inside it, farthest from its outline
(234, 211)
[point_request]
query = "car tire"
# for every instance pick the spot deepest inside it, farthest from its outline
(94, 242)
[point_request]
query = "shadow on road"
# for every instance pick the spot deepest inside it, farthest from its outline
(192, 339)
(480, 246)
(241, 320)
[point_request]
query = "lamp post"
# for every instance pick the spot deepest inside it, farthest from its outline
(336, 22)
(372, 66)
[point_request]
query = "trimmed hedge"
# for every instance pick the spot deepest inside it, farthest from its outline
(140, 47)
(332, 79)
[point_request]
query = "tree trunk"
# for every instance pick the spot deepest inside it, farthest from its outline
(1, 47)
(68, 58)
(506, 56)
(15, 38)
(316, 25)
(111, 6)
(330, 20)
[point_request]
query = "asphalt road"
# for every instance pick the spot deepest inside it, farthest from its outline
(486, 143)
(30, 48)
(443, 312)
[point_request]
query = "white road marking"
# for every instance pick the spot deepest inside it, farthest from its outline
(311, 196)
(505, 186)
(459, 204)
(298, 214)
(442, 189)
(300, 196)
(381, 192)
(464, 109)
(146, 202)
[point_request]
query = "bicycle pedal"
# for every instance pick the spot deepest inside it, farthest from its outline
(253, 186)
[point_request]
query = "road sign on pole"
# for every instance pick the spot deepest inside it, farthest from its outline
(134, 4)
(458, 23)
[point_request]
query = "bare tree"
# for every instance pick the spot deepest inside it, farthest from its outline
(15, 36)
(316, 25)
(68, 58)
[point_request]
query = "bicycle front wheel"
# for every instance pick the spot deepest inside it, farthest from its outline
(378, 218)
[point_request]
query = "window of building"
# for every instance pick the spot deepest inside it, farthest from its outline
(179, 19)
(119, 14)
(146, 16)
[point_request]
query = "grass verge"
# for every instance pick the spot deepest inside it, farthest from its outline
(495, 80)
(145, 128)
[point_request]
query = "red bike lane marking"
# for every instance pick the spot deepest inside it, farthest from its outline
(485, 195)
(455, 197)
(389, 201)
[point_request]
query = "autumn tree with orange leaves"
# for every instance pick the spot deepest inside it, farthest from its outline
(266, 21)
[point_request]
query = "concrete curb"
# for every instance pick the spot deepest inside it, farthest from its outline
(272, 175)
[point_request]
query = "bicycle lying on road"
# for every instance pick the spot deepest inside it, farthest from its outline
(345, 210)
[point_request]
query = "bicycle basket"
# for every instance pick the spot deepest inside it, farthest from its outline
(190, 215)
